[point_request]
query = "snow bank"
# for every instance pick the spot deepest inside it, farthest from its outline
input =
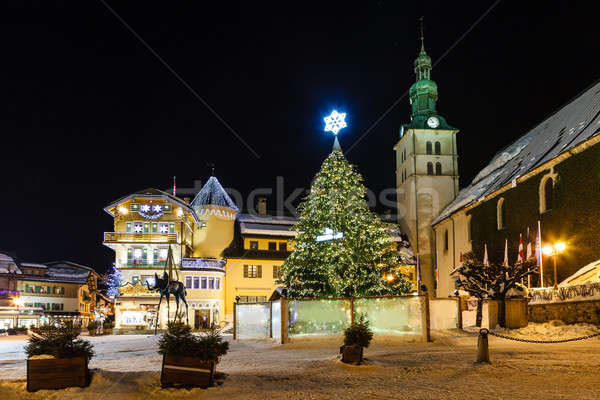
(552, 330)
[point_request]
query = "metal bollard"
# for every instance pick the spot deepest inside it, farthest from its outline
(483, 351)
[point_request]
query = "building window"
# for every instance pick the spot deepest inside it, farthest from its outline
(438, 148)
(252, 271)
(218, 283)
(283, 247)
(500, 214)
(154, 227)
(137, 256)
(135, 279)
(276, 272)
(211, 283)
(196, 282)
(172, 227)
(164, 228)
(446, 240)
(146, 227)
(429, 168)
(546, 194)
(272, 246)
(127, 226)
(188, 282)
(438, 168)
(138, 228)
(162, 254)
(253, 245)
(203, 283)
(428, 147)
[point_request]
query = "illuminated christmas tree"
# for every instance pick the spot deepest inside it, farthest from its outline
(112, 280)
(342, 248)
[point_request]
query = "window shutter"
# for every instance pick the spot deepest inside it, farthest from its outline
(245, 271)
(130, 256)
(259, 271)
(155, 256)
(275, 272)
(144, 256)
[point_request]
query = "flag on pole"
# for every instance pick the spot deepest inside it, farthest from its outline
(505, 262)
(486, 261)
(521, 252)
(529, 250)
(538, 253)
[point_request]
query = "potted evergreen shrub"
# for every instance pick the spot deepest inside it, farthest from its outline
(57, 357)
(356, 337)
(107, 327)
(92, 327)
(190, 359)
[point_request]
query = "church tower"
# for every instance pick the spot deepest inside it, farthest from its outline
(426, 169)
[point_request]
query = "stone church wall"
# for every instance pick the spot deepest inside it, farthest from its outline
(573, 219)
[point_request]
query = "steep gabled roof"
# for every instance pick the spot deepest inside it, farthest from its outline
(212, 193)
(573, 124)
(150, 193)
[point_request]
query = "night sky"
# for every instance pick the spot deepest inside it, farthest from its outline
(89, 114)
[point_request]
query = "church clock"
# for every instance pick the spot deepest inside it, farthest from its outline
(433, 122)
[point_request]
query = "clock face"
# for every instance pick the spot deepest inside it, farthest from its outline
(433, 122)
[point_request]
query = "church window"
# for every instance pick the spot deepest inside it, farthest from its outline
(428, 148)
(500, 214)
(438, 168)
(429, 168)
(546, 192)
(438, 148)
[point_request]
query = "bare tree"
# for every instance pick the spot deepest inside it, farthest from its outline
(492, 281)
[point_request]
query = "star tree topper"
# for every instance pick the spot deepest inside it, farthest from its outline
(335, 122)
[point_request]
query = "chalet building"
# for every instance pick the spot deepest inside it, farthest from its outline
(220, 254)
(31, 294)
(550, 174)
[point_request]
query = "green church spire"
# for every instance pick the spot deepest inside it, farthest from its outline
(423, 93)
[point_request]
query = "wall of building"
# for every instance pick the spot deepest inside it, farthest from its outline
(237, 285)
(572, 218)
(447, 259)
(571, 312)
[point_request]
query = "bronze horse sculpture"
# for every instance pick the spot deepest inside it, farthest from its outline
(166, 288)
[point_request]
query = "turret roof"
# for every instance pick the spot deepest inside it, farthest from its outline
(212, 193)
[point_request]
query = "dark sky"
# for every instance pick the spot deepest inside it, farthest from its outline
(89, 114)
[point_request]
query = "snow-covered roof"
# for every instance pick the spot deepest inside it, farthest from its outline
(249, 228)
(267, 219)
(34, 265)
(588, 274)
(8, 264)
(212, 193)
(149, 193)
(570, 126)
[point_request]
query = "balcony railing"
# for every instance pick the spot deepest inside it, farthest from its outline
(128, 237)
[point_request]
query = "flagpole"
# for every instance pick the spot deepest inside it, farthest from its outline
(539, 240)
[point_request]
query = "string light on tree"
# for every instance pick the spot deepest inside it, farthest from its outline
(335, 122)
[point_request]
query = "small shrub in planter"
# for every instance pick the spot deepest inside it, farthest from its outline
(107, 327)
(57, 357)
(356, 337)
(190, 359)
(92, 327)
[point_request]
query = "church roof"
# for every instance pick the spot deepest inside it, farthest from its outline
(212, 193)
(573, 124)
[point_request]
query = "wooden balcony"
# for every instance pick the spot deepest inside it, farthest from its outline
(128, 237)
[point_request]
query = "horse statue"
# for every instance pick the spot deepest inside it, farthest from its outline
(166, 288)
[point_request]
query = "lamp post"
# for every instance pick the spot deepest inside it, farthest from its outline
(554, 250)
(18, 303)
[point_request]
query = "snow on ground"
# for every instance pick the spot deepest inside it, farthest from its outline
(128, 367)
(552, 330)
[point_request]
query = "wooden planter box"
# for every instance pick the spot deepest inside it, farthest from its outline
(352, 354)
(187, 371)
(57, 373)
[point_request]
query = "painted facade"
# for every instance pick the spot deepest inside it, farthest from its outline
(219, 254)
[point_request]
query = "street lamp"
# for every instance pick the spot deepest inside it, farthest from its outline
(554, 250)
(18, 302)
